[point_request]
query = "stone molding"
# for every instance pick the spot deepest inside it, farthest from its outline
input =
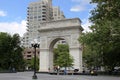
(61, 25)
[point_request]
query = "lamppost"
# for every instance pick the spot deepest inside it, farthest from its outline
(35, 44)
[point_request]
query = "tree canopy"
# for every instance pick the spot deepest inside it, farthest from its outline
(10, 52)
(104, 40)
(62, 56)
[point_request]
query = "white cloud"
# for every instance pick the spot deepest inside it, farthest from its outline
(81, 5)
(85, 25)
(13, 27)
(77, 8)
(2, 13)
(82, 1)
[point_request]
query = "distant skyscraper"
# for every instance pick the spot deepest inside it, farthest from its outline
(38, 12)
(57, 14)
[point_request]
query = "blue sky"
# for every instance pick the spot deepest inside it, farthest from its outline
(13, 13)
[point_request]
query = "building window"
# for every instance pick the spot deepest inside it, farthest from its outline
(39, 16)
(35, 17)
(43, 6)
(63, 41)
(28, 55)
(31, 17)
(29, 52)
(39, 19)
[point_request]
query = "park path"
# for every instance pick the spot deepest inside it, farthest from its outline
(28, 76)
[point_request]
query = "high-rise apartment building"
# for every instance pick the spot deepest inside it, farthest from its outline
(57, 14)
(38, 12)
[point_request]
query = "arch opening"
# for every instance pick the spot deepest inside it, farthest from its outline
(54, 56)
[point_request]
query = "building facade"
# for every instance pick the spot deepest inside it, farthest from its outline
(38, 12)
(57, 14)
(28, 53)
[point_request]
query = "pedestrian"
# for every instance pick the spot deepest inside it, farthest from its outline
(58, 68)
(65, 71)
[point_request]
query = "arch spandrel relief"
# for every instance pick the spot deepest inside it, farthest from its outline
(74, 40)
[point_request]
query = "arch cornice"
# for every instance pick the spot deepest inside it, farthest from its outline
(61, 24)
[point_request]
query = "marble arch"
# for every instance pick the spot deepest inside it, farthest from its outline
(51, 32)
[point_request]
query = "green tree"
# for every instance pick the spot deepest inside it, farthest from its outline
(106, 19)
(104, 39)
(4, 50)
(18, 61)
(91, 50)
(10, 52)
(62, 56)
(32, 63)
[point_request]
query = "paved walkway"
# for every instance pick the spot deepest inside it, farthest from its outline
(28, 76)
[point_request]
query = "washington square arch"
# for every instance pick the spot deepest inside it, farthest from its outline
(50, 32)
